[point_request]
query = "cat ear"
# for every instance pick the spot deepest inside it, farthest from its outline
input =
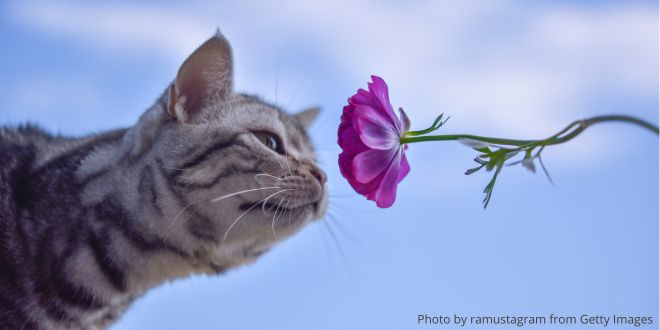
(306, 117)
(205, 76)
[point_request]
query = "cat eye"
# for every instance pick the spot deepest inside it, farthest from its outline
(270, 140)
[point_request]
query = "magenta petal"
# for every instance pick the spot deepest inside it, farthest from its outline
(369, 164)
(379, 89)
(365, 98)
(351, 142)
(347, 137)
(376, 135)
(372, 159)
(345, 165)
(386, 193)
(362, 110)
(405, 120)
(405, 167)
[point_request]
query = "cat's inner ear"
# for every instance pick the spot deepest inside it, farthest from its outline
(204, 77)
(306, 117)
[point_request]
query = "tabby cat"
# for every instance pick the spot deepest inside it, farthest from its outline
(208, 179)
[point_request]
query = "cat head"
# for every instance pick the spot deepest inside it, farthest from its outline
(236, 174)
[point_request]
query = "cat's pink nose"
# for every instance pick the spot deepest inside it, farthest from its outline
(318, 174)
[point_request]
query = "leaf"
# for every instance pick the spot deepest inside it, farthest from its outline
(490, 186)
(436, 125)
(483, 149)
(438, 122)
(496, 158)
(547, 174)
(480, 161)
(473, 170)
(493, 160)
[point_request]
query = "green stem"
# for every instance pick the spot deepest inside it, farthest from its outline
(568, 133)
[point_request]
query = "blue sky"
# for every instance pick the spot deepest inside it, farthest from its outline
(509, 69)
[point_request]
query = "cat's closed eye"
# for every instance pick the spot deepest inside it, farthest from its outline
(270, 140)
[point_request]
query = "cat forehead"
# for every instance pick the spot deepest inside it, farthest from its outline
(251, 108)
(251, 111)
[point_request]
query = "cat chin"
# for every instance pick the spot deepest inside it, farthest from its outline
(291, 220)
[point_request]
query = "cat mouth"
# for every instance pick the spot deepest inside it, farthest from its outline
(272, 207)
(268, 206)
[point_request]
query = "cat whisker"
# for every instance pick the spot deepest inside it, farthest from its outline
(286, 206)
(295, 92)
(338, 205)
(257, 176)
(290, 214)
(268, 175)
(335, 240)
(326, 247)
(224, 238)
(275, 215)
(277, 69)
(345, 232)
(270, 207)
(263, 206)
(169, 225)
(348, 265)
(278, 162)
(217, 199)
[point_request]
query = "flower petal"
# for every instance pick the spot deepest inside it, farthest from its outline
(369, 164)
(373, 160)
(350, 142)
(362, 110)
(374, 131)
(345, 162)
(405, 120)
(365, 98)
(405, 167)
(379, 89)
(386, 192)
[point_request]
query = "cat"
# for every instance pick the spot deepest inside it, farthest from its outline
(208, 179)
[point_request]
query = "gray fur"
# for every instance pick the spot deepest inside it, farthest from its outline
(89, 224)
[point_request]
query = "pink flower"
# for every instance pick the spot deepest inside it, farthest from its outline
(372, 158)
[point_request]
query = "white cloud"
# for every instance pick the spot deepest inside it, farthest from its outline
(500, 68)
(165, 30)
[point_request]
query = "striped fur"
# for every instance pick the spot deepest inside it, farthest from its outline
(87, 225)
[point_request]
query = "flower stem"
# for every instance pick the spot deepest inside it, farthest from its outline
(568, 133)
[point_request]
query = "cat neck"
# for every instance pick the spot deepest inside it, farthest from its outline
(120, 249)
(130, 193)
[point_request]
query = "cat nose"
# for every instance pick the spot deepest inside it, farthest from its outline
(318, 174)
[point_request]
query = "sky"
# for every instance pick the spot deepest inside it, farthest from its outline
(511, 69)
